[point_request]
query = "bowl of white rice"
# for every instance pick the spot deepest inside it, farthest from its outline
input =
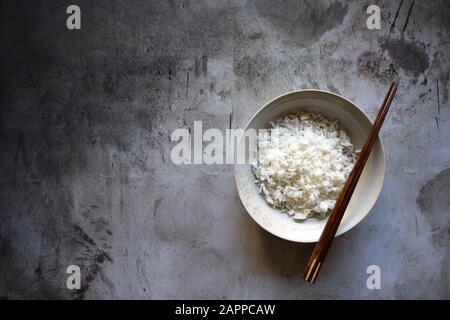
(299, 150)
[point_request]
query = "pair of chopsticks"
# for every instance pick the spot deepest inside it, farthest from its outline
(315, 262)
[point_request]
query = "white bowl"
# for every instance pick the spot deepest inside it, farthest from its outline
(356, 124)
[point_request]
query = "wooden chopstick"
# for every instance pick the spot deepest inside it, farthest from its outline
(320, 251)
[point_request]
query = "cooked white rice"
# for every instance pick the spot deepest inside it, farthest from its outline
(302, 164)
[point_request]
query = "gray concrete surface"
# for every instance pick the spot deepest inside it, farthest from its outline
(86, 116)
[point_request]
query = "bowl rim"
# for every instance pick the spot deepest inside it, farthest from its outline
(346, 228)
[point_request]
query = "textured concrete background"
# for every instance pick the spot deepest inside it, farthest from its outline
(86, 116)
